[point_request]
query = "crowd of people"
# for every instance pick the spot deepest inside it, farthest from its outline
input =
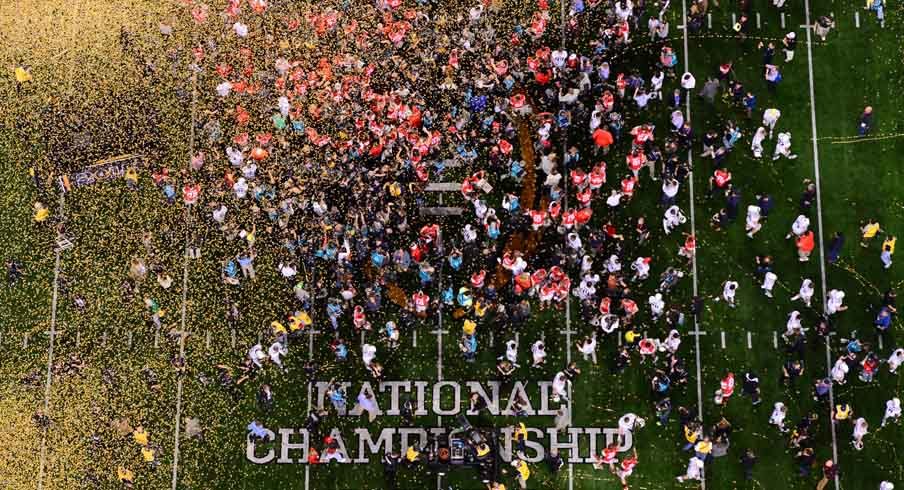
(315, 151)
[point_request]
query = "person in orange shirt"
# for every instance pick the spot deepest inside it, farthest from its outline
(805, 245)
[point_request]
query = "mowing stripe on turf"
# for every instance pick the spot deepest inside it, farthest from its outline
(690, 163)
(822, 260)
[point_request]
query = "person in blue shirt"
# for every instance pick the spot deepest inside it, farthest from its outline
(448, 296)
(469, 347)
(337, 397)
(334, 311)
(256, 431)
(749, 104)
(231, 273)
(464, 297)
(455, 259)
(246, 262)
(883, 320)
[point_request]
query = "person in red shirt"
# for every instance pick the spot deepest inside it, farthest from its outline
(598, 176)
(636, 160)
(719, 181)
(727, 387)
(626, 468)
(689, 247)
(805, 245)
(603, 140)
(628, 184)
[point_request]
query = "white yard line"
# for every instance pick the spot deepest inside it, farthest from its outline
(822, 255)
(185, 260)
(439, 341)
(690, 162)
(178, 418)
(568, 298)
(49, 379)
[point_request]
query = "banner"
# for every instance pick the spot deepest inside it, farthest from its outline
(357, 446)
(103, 170)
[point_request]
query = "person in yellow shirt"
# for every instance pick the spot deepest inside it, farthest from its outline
(412, 455)
(41, 212)
(278, 328)
(703, 449)
(140, 436)
(150, 457)
(23, 75)
(631, 336)
(692, 432)
(523, 472)
(888, 249)
(125, 476)
(843, 412)
(869, 230)
(131, 178)
(469, 327)
(480, 309)
(482, 450)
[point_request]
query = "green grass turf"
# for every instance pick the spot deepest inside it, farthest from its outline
(859, 180)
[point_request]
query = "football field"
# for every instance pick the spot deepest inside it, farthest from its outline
(100, 355)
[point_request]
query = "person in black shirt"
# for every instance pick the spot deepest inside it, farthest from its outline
(866, 121)
(748, 460)
(554, 461)
(792, 370)
(768, 53)
(391, 468)
(751, 388)
(808, 196)
(889, 299)
(265, 397)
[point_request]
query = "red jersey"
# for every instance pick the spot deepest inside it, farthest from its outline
(477, 279)
(568, 218)
(727, 386)
(421, 300)
(598, 176)
(627, 186)
(636, 161)
(605, 306)
(583, 215)
(578, 177)
(721, 177)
